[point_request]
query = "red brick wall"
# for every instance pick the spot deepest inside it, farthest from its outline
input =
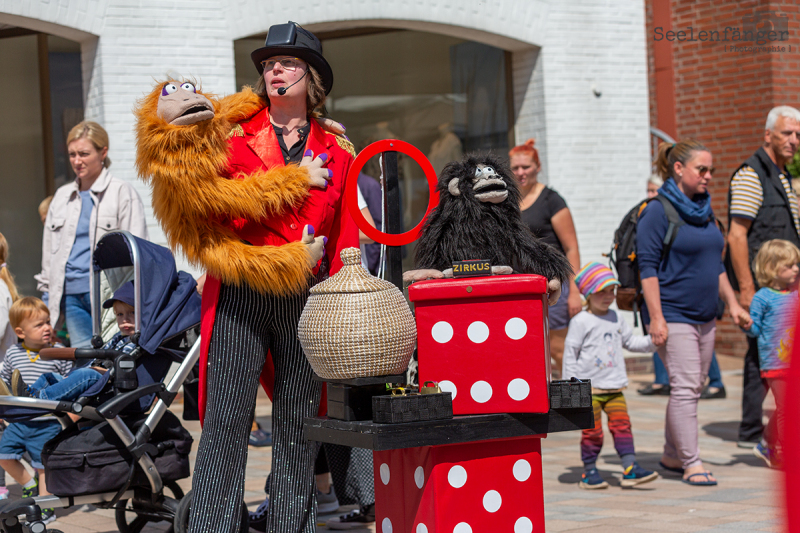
(723, 97)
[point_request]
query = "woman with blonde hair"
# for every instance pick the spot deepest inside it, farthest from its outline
(8, 295)
(81, 212)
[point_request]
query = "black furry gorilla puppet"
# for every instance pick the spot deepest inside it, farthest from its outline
(478, 217)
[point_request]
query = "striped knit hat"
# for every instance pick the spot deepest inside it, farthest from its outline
(594, 277)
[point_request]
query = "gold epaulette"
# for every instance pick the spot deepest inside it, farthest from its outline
(236, 131)
(344, 144)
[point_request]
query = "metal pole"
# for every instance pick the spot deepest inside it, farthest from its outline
(394, 218)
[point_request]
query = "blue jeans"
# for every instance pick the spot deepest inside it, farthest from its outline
(52, 386)
(78, 314)
(714, 374)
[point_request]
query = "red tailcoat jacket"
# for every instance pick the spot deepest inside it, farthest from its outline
(254, 146)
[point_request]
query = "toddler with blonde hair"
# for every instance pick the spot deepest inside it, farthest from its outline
(774, 313)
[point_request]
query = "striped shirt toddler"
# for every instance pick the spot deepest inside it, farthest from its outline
(30, 365)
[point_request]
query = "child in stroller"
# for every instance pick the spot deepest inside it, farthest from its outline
(133, 451)
(54, 386)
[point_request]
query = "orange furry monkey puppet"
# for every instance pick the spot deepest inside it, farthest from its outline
(182, 152)
(222, 193)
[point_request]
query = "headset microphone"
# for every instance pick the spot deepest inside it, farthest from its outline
(282, 90)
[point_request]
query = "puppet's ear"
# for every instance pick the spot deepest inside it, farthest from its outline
(453, 187)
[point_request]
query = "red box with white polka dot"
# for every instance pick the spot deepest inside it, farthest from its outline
(474, 487)
(485, 340)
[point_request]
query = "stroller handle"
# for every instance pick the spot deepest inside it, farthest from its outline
(50, 354)
(70, 354)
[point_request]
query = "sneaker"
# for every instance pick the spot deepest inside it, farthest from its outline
(48, 515)
(763, 452)
(4, 389)
(31, 492)
(18, 385)
(636, 475)
(591, 480)
(260, 438)
(747, 444)
(358, 519)
(258, 518)
(327, 502)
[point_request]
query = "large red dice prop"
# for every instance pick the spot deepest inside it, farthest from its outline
(486, 340)
(461, 488)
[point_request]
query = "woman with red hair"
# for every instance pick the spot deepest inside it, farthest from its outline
(548, 217)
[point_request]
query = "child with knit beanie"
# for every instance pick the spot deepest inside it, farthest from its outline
(593, 350)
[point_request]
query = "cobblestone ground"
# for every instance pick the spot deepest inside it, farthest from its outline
(746, 499)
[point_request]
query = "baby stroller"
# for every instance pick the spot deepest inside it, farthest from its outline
(130, 456)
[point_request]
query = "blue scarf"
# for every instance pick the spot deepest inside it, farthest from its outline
(696, 211)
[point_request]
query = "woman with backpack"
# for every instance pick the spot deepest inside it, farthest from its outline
(660, 386)
(681, 290)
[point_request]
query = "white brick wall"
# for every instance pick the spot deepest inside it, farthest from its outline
(594, 150)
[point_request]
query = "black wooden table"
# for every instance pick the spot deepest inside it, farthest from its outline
(459, 429)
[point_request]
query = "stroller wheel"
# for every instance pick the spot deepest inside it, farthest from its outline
(181, 524)
(132, 520)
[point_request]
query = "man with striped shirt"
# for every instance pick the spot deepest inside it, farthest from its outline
(762, 205)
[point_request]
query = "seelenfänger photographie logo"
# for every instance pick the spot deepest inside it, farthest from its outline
(764, 31)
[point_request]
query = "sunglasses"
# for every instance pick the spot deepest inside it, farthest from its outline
(701, 171)
(288, 63)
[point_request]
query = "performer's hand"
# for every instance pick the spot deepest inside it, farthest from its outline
(328, 124)
(317, 175)
(503, 270)
(201, 282)
(316, 245)
(410, 276)
(554, 290)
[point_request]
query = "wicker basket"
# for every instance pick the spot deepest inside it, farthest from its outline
(356, 325)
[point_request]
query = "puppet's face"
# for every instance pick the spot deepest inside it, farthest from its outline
(180, 104)
(487, 185)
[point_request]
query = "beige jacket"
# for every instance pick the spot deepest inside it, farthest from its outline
(117, 206)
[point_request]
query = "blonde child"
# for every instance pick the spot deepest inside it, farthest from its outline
(31, 321)
(593, 350)
(774, 311)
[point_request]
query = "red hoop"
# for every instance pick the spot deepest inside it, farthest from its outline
(351, 191)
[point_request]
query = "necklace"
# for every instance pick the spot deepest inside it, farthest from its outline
(29, 352)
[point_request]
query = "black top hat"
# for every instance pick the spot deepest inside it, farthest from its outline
(291, 39)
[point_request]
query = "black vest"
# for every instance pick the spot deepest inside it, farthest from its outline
(774, 219)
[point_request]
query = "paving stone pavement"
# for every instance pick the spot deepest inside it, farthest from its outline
(747, 498)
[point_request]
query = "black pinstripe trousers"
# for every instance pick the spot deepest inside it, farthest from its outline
(247, 325)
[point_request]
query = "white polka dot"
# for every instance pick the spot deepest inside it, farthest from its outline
(481, 392)
(523, 525)
(419, 477)
(478, 332)
(385, 474)
(522, 470)
(463, 527)
(442, 332)
(386, 526)
(448, 386)
(518, 389)
(492, 501)
(516, 328)
(422, 528)
(457, 477)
